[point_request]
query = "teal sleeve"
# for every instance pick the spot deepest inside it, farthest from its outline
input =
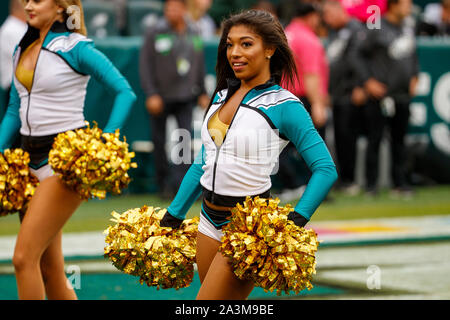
(295, 124)
(93, 62)
(10, 124)
(190, 188)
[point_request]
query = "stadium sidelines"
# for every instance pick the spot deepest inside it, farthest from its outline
(395, 258)
(88, 245)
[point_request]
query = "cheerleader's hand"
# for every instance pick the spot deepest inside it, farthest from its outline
(297, 218)
(170, 221)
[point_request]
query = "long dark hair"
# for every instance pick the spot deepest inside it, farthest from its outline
(264, 24)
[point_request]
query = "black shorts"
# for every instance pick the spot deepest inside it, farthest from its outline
(219, 218)
(38, 149)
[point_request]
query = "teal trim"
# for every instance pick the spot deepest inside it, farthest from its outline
(257, 92)
(216, 225)
(85, 59)
(93, 62)
(38, 166)
(294, 122)
(10, 124)
(53, 35)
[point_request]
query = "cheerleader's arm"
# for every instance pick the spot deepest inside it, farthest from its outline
(189, 191)
(295, 124)
(93, 62)
(298, 127)
(10, 124)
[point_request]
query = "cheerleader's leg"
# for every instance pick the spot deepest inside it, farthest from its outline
(220, 283)
(206, 251)
(53, 273)
(208, 242)
(49, 209)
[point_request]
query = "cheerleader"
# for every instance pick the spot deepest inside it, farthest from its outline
(249, 121)
(52, 66)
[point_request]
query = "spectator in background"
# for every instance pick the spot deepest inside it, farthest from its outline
(312, 65)
(11, 31)
(347, 96)
(291, 189)
(266, 5)
(388, 66)
(311, 87)
(120, 15)
(198, 15)
(436, 19)
(172, 71)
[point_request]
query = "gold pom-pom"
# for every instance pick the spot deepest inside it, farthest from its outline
(267, 248)
(17, 184)
(159, 256)
(92, 163)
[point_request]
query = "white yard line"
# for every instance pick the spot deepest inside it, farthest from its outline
(91, 244)
(419, 268)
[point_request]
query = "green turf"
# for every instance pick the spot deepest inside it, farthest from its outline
(113, 286)
(95, 214)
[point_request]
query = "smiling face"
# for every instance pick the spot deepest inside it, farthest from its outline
(42, 13)
(247, 55)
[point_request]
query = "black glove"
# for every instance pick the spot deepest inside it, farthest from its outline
(102, 139)
(170, 221)
(298, 219)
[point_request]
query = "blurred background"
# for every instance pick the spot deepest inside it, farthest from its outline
(392, 243)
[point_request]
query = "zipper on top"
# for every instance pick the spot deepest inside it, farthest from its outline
(31, 88)
(218, 148)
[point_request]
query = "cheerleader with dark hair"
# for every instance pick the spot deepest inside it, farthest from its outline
(249, 121)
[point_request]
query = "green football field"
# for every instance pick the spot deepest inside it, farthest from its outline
(410, 270)
(94, 215)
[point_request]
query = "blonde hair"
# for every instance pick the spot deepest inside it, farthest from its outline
(68, 12)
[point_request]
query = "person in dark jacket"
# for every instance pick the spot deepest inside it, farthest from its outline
(388, 66)
(346, 92)
(172, 71)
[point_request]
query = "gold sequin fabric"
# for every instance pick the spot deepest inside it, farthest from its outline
(267, 248)
(160, 256)
(17, 184)
(92, 163)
